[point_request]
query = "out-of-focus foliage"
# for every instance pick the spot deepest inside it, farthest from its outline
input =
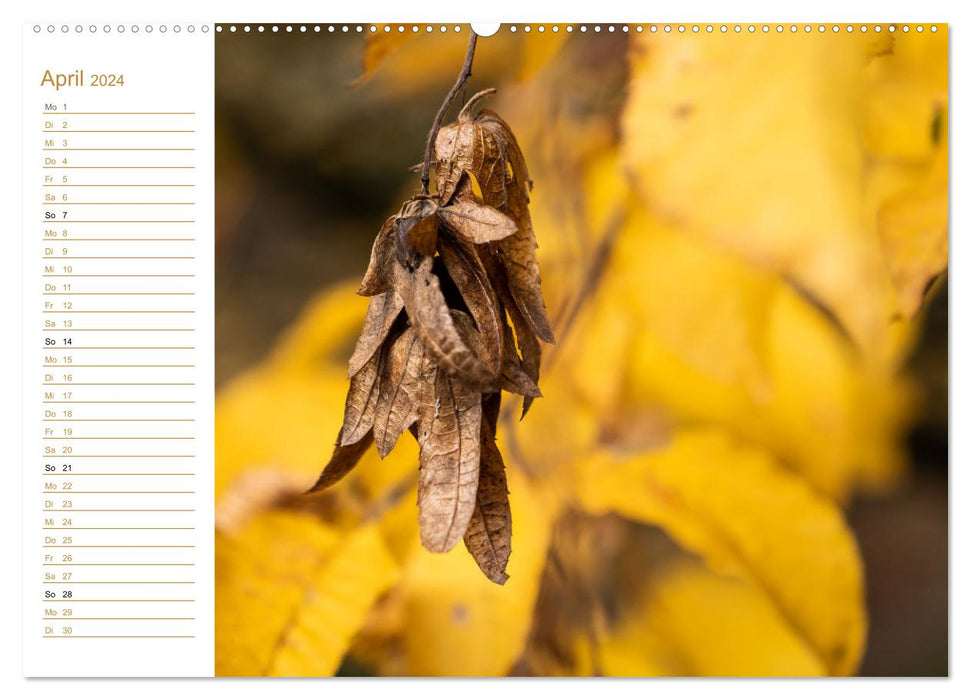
(312, 588)
(736, 236)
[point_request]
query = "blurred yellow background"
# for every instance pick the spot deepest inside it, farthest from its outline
(739, 465)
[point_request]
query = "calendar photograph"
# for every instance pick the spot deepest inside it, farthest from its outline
(581, 350)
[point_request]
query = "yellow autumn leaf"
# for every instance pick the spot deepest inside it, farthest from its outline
(906, 95)
(692, 622)
(759, 136)
(906, 131)
(344, 589)
(914, 231)
(747, 517)
(744, 349)
(258, 587)
(291, 592)
(763, 154)
(912, 223)
(700, 335)
(458, 623)
(377, 46)
(286, 412)
(281, 413)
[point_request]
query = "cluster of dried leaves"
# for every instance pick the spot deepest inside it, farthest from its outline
(456, 316)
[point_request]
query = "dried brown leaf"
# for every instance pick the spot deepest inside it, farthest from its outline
(429, 314)
(468, 190)
(362, 398)
(476, 223)
(466, 270)
(457, 150)
(377, 279)
(486, 148)
(517, 172)
(522, 269)
(400, 390)
(488, 537)
(464, 148)
(515, 378)
(382, 311)
(530, 352)
(519, 250)
(344, 459)
(491, 403)
(416, 230)
(448, 435)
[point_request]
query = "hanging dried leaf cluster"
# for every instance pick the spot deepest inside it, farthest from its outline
(456, 316)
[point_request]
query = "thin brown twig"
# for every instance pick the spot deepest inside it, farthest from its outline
(449, 98)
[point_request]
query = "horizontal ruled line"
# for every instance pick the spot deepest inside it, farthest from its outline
(72, 491)
(119, 167)
(115, 204)
(124, 185)
(118, 294)
(119, 401)
(119, 528)
(72, 617)
(119, 510)
(119, 546)
(72, 348)
(124, 456)
(119, 131)
(69, 492)
(126, 600)
(72, 275)
(121, 564)
(117, 437)
(119, 384)
(122, 311)
(102, 583)
(117, 330)
(118, 149)
(70, 365)
(119, 636)
(73, 474)
(116, 221)
(116, 113)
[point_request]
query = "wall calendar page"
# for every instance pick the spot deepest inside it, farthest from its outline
(437, 349)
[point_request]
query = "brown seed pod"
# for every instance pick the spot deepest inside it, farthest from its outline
(484, 148)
